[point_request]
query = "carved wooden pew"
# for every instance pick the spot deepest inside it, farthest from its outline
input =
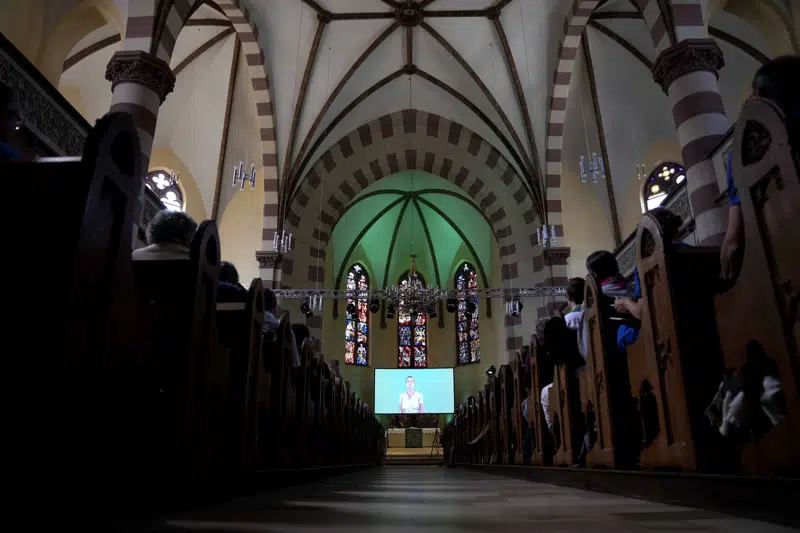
(240, 326)
(176, 303)
(507, 395)
(679, 368)
(541, 375)
(605, 387)
(83, 219)
(758, 316)
(518, 422)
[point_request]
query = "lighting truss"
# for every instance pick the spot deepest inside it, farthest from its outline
(429, 295)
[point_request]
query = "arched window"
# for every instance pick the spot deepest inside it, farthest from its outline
(166, 189)
(412, 330)
(356, 327)
(662, 181)
(467, 337)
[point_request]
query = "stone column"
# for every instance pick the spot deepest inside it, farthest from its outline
(269, 267)
(140, 82)
(689, 73)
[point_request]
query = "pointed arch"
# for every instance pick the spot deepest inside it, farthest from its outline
(468, 341)
(356, 328)
(412, 331)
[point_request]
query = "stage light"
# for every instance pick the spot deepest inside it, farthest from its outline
(432, 311)
(374, 306)
(390, 311)
(471, 307)
(451, 305)
(491, 371)
(305, 308)
(351, 308)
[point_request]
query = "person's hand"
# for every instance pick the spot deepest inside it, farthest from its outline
(621, 305)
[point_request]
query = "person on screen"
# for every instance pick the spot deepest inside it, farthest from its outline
(411, 400)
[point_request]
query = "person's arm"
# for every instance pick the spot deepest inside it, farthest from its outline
(421, 407)
(631, 307)
(401, 404)
(732, 249)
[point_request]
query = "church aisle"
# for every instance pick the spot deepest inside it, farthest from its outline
(435, 500)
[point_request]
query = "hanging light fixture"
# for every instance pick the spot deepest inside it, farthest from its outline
(282, 242)
(546, 238)
(596, 168)
(239, 175)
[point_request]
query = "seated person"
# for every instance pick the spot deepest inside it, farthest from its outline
(778, 81)
(229, 289)
(169, 236)
(333, 364)
(628, 333)
(271, 323)
(603, 266)
(301, 333)
(545, 400)
(574, 314)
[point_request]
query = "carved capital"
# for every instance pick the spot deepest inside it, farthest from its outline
(690, 55)
(556, 256)
(268, 259)
(136, 66)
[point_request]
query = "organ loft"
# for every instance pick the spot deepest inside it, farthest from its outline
(430, 264)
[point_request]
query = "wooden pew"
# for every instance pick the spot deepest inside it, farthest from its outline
(679, 368)
(518, 423)
(507, 395)
(541, 375)
(82, 221)
(176, 303)
(240, 326)
(568, 423)
(758, 316)
(605, 387)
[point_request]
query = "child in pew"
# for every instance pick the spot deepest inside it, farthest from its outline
(229, 289)
(778, 81)
(574, 314)
(628, 333)
(271, 323)
(169, 236)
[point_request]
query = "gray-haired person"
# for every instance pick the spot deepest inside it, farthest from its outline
(169, 236)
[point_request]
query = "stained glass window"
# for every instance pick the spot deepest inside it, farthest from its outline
(467, 337)
(412, 330)
(167, 190)
(356, 328)
(664, 179)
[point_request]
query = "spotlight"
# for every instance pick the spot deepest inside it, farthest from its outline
(390, 311)
(491, 371)
(374, 306)
(471, 307)
(451, 305)
(305, 308)
(432, 311)
(351, 308)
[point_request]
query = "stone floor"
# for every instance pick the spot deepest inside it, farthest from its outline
(436, 500)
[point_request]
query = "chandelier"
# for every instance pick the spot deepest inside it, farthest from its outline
(412, 295)
(596, 168)
(240, 175)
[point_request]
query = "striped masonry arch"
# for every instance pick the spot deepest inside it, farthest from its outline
(695, 94)
(247, 33)
(404, 140)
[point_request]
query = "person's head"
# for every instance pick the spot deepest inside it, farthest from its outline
(410, 382)
(228, 273)
(171, 227)
(602, 265)
(301, 333)
(270, 300)
(779, 81)
(670, 222)
(10, 118)
(333, 364)
(575, 288)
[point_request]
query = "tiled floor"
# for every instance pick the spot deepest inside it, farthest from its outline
(435, 500)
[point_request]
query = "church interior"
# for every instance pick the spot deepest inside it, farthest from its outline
(559, 230)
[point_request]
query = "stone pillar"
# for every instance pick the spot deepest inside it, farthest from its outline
(269, 267)
(689, 72)
(140, 82)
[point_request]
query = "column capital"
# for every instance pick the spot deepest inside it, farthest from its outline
(556, 256)
(268, 259)
(137, 66)
(690, 55)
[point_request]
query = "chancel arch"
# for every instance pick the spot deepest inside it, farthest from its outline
(413, 140)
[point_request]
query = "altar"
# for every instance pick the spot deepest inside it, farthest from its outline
(411, 437)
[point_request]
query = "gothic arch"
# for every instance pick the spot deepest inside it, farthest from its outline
(663, 34)
(413, 140)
